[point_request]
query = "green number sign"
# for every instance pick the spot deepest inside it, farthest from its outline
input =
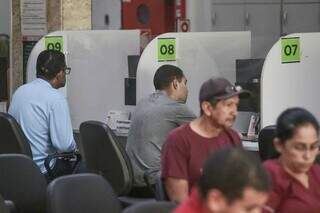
(166, 49)
(290, 50)
(54, 43)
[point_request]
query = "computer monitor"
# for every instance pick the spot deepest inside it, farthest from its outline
(133, 61)
(247, 70)
(248, 73)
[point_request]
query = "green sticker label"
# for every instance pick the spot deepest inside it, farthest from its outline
(166, 49)
(290, 50)
(54, 43)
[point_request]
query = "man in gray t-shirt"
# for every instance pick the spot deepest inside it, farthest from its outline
(155, 116)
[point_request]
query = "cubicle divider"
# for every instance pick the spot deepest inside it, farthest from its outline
(291, 76)
(99, 66)
(200, 55)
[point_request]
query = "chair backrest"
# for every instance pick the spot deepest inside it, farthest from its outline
(87, 193)
(151, 206)
(21, 182)
(104, 155)
(3, 207)
(265, 139)
(13, 140)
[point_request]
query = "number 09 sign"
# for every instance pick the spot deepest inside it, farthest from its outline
(166, 49)
(290, 50)
(54, 43)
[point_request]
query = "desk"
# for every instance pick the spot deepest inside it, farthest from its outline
(250, 145)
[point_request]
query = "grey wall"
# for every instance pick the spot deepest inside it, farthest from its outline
(5, 16)
(261, 17)
(101, 8)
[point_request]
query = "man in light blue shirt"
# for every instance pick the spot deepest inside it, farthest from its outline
(42, 111)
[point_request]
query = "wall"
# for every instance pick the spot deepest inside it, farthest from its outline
(5, 16)
(61, 15)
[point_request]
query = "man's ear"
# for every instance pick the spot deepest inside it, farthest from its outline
(215, 201)
(206, 108)
(175, 83)
(278, 145)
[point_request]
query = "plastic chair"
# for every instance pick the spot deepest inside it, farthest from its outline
(22, 182)
(265, 139)
(151, 206)
(86, 193)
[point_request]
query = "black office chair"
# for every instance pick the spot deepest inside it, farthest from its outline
(22, 183)
(85, 193)
(15, 141)
(151, 206)
(266, 147)
(105, 156)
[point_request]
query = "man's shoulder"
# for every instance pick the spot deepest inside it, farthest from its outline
(181, 129)
(178, 133)
(232, 135)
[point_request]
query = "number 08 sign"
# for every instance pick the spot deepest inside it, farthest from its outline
(54, 43)
(290, 50)
(166, 49)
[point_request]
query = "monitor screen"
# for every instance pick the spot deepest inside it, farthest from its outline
(248, 73)
(248, 69)
(133, 61)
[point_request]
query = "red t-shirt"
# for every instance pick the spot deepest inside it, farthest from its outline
(193, 204)
(185, 152)
(288, 194)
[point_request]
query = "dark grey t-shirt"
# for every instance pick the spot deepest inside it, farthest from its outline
(155, 116)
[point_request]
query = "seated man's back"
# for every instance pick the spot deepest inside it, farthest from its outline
(43, 114)
(155, 116)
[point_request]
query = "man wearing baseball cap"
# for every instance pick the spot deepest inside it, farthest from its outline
(188, 146)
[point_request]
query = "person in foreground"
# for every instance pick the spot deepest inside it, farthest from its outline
(188, 146)
(295, 177)
(42, 111)
(233, 181)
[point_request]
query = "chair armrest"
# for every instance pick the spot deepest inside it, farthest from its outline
(10, 206)
(146, 176)
(70, 156)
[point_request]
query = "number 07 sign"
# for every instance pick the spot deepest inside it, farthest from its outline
(290, 50)
(166, 49)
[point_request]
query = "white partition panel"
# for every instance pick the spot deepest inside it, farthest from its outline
(200, 56)
(291, 84)
(99, 66)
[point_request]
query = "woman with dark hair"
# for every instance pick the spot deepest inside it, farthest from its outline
(295, 177)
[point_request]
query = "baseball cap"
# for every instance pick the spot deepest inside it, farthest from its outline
(220, 89)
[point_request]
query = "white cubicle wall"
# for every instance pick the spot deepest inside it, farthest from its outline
(286, 85)
(200, 56)
(98, 60)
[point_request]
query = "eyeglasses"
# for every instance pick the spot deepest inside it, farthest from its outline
(67, 70)
(303, 148)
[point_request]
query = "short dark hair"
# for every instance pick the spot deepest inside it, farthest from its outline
(50, 63)
(291, 119)
(165, 75)
(232, 170)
